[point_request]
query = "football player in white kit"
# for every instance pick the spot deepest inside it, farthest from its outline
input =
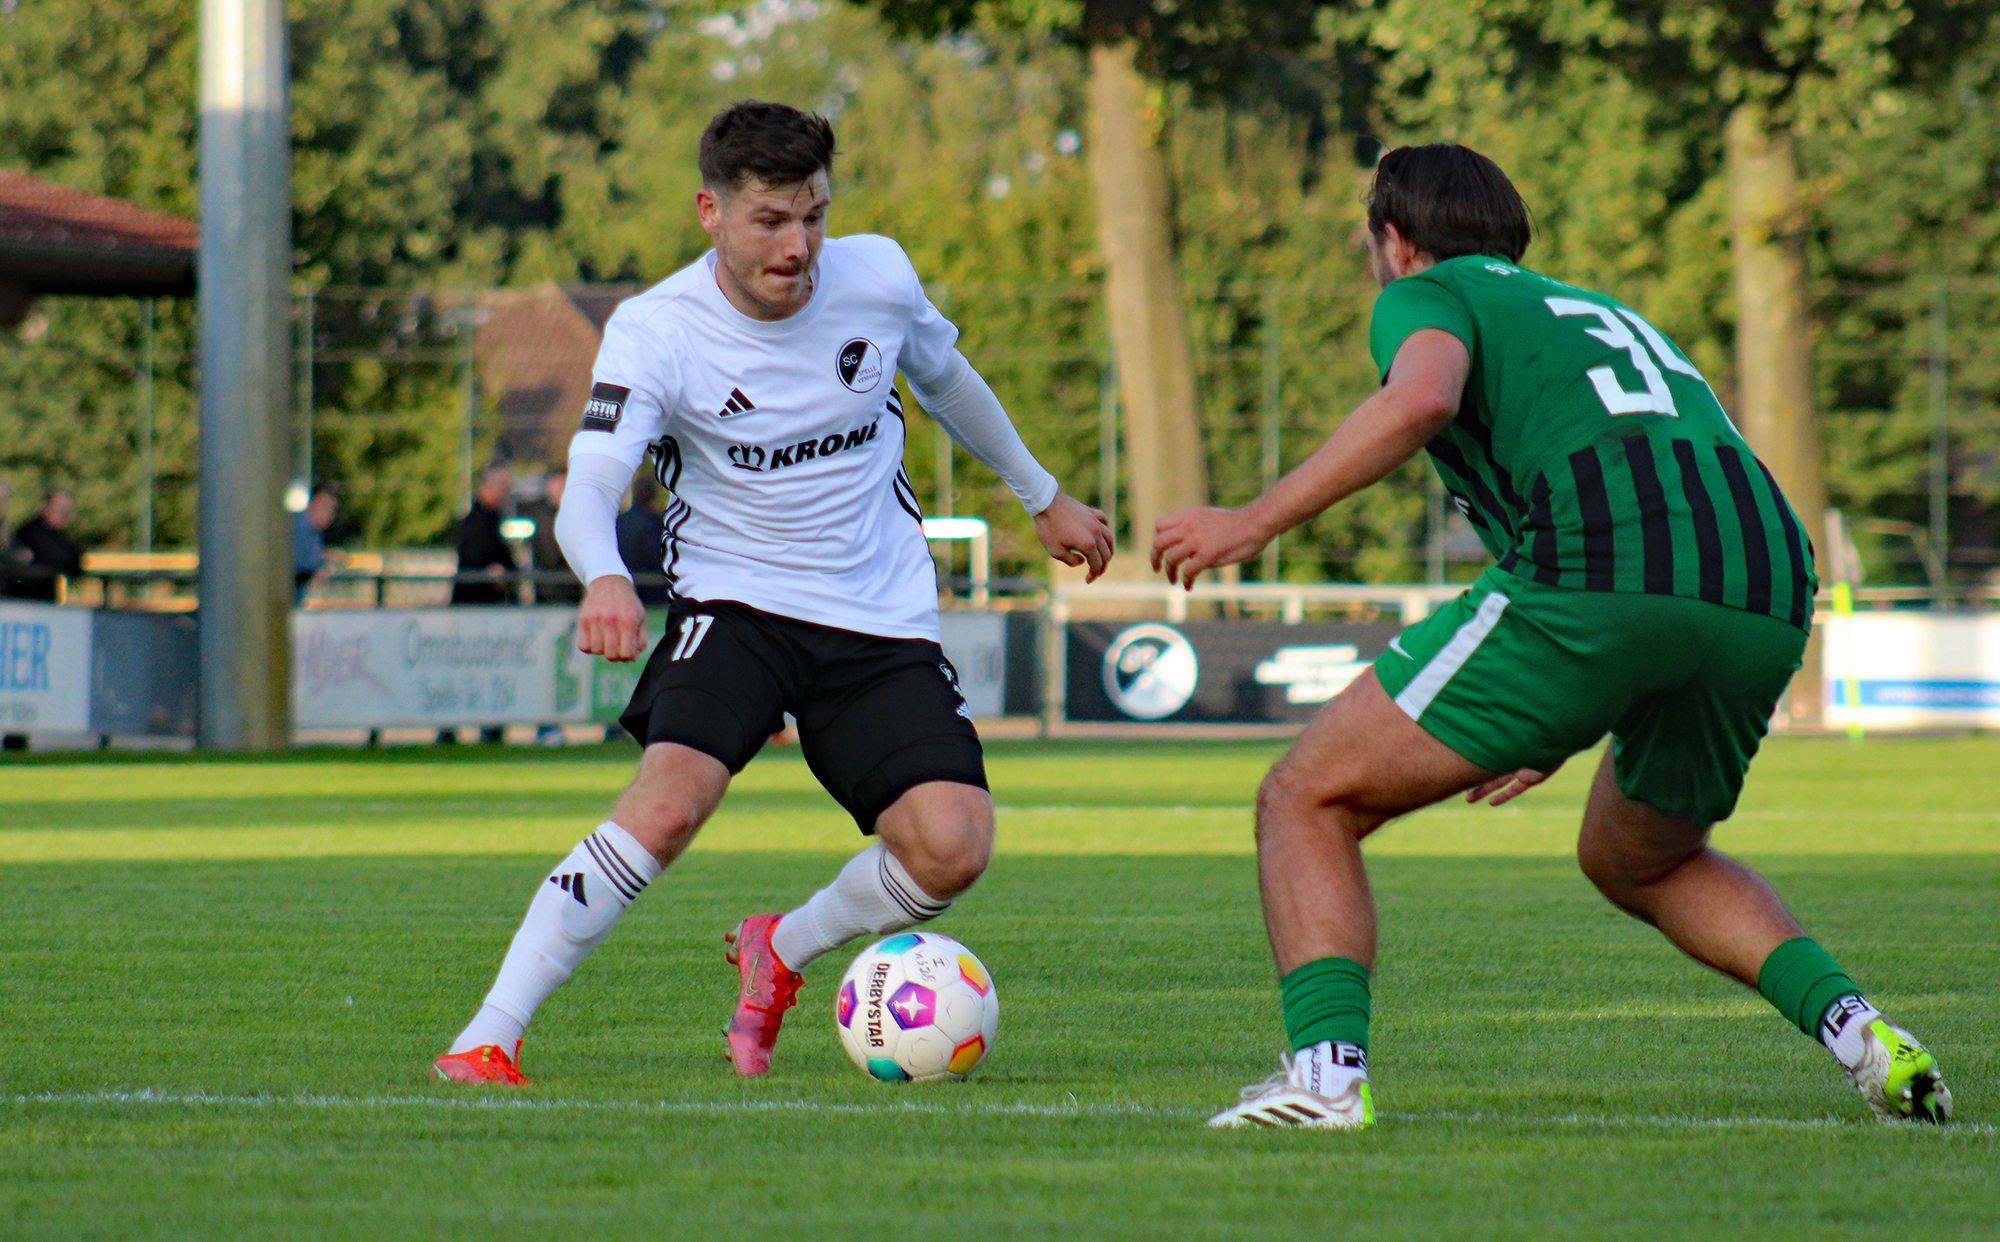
(762, 380)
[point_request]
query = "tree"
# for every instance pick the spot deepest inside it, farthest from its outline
(1762, 73)
(1222, 48)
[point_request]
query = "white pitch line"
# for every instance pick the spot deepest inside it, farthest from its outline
(558, 1103)
(1072, 1108)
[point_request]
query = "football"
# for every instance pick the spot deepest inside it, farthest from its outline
(916, 1007)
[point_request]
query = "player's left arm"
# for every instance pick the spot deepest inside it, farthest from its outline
(1426, 382)
(964, 404)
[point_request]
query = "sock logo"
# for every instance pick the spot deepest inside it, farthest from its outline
(571, 884)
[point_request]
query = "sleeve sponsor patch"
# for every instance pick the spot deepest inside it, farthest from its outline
(605, 408)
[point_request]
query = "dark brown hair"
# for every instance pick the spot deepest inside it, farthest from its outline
(768, 142)
(1447, 201)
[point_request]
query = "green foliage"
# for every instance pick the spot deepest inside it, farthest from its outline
(459, 143)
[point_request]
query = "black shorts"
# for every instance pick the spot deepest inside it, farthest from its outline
(876, 716)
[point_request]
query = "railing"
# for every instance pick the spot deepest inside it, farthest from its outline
(132, 579)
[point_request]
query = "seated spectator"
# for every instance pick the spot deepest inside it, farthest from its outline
(43, 551)
(639, 538)
(481, 550)
(309, 540)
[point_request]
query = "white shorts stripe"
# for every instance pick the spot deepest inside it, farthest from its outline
(1443, 666)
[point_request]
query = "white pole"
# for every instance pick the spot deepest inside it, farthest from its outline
(244, 281)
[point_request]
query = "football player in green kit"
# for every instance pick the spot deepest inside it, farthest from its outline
(1651, 583)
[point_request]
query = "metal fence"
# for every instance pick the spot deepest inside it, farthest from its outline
(402, 394)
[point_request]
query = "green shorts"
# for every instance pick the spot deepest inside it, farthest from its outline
(1513, 674)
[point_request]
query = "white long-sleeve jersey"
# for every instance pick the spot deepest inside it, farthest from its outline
(781, 442)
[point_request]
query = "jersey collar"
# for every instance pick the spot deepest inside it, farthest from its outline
(765, 327)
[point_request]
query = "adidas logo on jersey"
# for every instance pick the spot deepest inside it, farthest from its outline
(737, 404)
(758, 459)
(571, 884)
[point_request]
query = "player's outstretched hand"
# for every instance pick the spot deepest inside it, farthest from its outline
(612, 621)
(1187, 542)
(1075, 534)
(1508, 786)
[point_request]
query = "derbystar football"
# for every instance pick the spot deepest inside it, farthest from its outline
(916, 1006)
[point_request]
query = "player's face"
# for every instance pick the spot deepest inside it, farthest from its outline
(767, 240)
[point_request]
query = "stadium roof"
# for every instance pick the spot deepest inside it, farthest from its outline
(56, 239)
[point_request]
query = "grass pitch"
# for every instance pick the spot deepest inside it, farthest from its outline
(223, 983)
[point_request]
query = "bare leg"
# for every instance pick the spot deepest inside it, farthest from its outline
(942, 833)
(673, 795)
(580, 902)
(1359, 764)
(1662, 870)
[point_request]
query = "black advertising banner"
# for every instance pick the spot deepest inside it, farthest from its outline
(1242, 671)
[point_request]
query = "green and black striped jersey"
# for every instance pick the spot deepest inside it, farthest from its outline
(1588, 451)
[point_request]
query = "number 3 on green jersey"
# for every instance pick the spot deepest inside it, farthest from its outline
(1617, 399)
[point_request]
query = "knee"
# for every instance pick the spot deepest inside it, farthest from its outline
(1619, 872)
(949, 859)
(949, 866)
(1287, 799)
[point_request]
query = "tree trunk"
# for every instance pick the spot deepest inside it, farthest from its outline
(1773, 345)
(1162, 431)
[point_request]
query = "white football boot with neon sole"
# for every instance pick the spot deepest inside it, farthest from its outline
(1899, 1077)
(1280, 1103)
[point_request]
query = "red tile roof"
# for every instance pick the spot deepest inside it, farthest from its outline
(32, 209)
(56, 239)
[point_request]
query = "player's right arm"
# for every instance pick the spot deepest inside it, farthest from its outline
(625, 414)
(612, 621)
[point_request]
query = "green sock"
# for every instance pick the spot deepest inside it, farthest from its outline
(1326, 999)
(1801, 980)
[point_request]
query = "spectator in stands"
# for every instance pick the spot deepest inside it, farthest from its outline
(44, 552)
(543, 552)
(481, 550)
(6, 543)
(639, 531)
(309, 540)
(9, 741)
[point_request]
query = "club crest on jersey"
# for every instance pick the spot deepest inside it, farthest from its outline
(860, 365)
(605, 407)
(759, 459)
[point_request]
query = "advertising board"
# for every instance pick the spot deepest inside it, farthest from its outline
(1244, 671)
(1912, 669)
(400, 668)
(381, 668)
(44, 668)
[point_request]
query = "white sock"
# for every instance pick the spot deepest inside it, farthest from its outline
(574, 909)
(1843, 1027)
(872, 893)
(1329, 1067)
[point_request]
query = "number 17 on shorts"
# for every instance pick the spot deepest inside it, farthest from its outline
(693, 630)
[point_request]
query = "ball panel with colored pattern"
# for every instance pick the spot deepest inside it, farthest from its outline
(917, 1006)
